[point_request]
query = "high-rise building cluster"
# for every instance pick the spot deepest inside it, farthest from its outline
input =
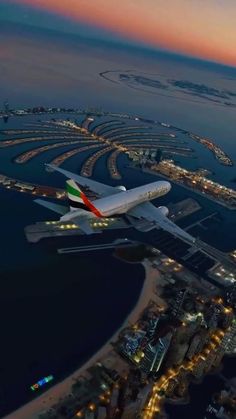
(183, 333)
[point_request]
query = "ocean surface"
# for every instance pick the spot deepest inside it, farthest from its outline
(58, 311)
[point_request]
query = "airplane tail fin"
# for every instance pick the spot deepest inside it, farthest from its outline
(77, 198)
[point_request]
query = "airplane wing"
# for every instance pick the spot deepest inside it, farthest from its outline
(81, 221)
(83, 224)
(152, 214)
(97, 187)
(59, 209)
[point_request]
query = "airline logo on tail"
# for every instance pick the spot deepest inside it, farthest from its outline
(77, 198)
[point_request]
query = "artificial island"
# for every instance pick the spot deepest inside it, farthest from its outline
(145, 147)
(184, 322)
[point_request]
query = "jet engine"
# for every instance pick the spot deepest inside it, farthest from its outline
(121, 188)
(164, 211)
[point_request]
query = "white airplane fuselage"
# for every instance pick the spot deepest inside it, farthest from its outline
(133, 206)
(122, 202)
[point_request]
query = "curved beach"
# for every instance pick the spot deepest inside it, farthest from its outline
(52, 396)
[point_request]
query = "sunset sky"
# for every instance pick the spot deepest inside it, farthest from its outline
(199, 28)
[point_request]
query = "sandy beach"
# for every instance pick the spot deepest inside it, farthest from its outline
(51, 397)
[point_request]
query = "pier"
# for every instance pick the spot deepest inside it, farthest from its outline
(115, 243)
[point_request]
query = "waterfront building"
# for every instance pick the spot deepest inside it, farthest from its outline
(172, 383)
(214, 411)
(231, 344)
(152, 327)
(24, 186)
(224, 275)
(212, 359)
(199, 368)
(194, 346)
(227, 318)
(154, 354)
(231, 295)
(219, 356)
(178, 354)
(177, 302)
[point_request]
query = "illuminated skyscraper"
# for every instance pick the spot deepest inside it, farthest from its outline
(154, 354)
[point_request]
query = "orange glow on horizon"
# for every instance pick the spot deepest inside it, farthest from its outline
(197, 28)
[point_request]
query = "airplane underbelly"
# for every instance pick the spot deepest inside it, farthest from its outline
(112, 211)
(118, 204)
(109, 211)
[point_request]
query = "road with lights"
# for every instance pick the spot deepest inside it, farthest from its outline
(157, 397)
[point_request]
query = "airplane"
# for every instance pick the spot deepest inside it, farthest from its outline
(114, 201)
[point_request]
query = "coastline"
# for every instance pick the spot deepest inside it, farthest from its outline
(49, 398)
(207, 196)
